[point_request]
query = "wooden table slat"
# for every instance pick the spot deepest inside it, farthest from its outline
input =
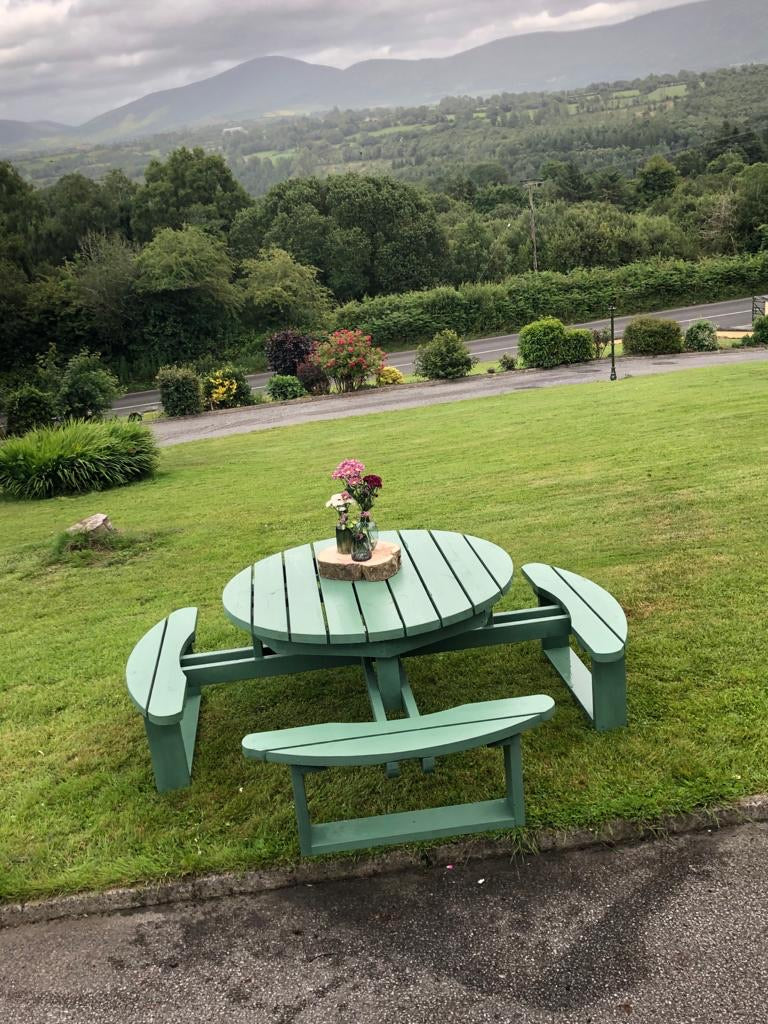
(269, 611)
(379, 610)
(412, 600)
(305, 611)
(341, 612)
(495, 559)
(237, 598)
(480, 586)
(451, 602)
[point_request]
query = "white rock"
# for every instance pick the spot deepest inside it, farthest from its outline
(95, 524)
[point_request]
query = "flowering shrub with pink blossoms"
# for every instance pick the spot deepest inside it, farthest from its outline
(348, 359)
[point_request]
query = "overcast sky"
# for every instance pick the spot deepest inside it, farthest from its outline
(69, 60)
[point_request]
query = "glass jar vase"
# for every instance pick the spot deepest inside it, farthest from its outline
(343, 540)
(361, 546)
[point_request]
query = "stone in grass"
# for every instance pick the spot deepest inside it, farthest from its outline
(96, 525)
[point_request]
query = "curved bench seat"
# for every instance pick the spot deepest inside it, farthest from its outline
(599, 624)
(159, 689)
(314, 747)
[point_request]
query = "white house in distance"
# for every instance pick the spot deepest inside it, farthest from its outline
(234, 131)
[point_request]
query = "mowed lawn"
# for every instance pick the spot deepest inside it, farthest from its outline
(657, 488)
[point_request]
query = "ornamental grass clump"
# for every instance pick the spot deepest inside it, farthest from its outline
(76, 458)
(348, 359)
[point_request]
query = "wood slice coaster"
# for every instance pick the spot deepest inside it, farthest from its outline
(383, 563)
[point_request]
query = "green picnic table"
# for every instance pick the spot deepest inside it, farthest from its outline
(441, 600)
(448, 583)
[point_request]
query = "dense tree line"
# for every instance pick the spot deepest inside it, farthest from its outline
(186, 264)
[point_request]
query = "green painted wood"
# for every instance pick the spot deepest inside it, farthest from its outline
(142, 665)
(170, 763)
(478, 584)
(590, 630)
(169, 688)
(574, 674)
(380, 613)
(495, 559)
(513, 778)
(374, 695)
(609, 693)
(345, 626)
(389, 674)
(305, 612)
(414, 605)
(603, 604)
(238, 600)
(447, 595)
(409, 826)
(270, 614)
(444, 732)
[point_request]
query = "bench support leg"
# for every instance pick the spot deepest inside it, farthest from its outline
(302, 809)
(609, 694)
(513, 777)
(172, 747)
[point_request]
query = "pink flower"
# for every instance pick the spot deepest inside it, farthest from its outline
(349, 469)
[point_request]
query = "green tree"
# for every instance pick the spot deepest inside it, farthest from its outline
(751, 206)
(190, 305)
(279, 292)
(105, 270)
(656, 179)
(190, 187)
(71, 208)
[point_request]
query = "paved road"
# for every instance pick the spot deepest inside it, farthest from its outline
(332, 407)
(733, 314)
(672, 931)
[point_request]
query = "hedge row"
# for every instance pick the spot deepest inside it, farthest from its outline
(405, 320)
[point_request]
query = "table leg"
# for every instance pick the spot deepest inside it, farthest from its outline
(389, 690)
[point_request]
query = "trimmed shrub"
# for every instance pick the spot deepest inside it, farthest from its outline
(760, 331)
(701, 337)
(349, 358)
(313, 378)
(507, 361)
(389, 375)
(87, 388)
(601, 340)
(181, 391)
(28, 407)
(579, 345)
(285, 350)
(76, 458)
(543, 343)
(283, 387)
(400, 321)
(227, 388)
(446, 357)
(651, 336)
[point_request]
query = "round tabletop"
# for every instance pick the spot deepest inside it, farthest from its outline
(445, 578)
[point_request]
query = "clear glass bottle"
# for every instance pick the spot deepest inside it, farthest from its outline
(361, 545)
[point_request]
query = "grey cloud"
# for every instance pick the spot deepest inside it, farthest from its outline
(72, 59)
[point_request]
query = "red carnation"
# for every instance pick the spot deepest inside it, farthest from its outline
(373, 481)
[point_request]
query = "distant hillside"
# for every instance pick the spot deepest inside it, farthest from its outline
(17, 133)
(697, 36)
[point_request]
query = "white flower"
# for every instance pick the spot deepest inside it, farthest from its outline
(338, 502)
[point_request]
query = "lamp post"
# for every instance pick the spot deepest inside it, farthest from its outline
(612, 311)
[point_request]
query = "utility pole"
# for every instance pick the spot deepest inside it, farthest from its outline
(530, 185)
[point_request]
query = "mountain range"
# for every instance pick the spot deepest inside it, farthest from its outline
(694, 37)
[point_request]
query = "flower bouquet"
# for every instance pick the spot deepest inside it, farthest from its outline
(356, 531)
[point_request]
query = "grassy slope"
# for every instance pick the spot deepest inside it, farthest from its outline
(655, 487)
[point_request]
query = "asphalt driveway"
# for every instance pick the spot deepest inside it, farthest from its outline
(665, 932)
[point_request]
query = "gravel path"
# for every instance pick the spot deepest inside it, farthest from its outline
(332, 407)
